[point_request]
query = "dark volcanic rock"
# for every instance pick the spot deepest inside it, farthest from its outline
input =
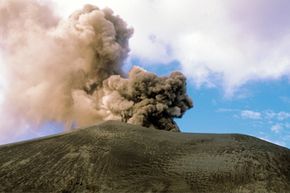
(117, 157)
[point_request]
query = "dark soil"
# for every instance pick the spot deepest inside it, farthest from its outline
(118, 157)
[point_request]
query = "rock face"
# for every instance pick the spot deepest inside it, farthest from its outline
(118, 157)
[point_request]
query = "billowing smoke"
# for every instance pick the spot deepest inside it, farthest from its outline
(70, 71)
(145, 99)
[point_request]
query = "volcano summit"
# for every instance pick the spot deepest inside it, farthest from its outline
(119, 157)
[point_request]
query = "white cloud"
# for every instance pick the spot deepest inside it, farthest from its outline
(283, 115)
(232, 41)
(280, 116)
(276, 128)
(267, 115)
(226, 110)
(2, 80)
(248, 114)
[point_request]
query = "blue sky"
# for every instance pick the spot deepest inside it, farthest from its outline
(263, 112)
(259, 108)
(235, 55)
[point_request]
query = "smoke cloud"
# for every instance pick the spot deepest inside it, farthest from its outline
(70, 71)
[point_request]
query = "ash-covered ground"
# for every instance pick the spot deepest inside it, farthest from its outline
(120, 157)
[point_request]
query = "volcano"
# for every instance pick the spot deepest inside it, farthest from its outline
(120, 157)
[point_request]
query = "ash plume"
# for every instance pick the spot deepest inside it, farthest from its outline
(70, 71)
(146, 99)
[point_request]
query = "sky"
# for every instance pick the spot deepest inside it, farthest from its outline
(235, 55)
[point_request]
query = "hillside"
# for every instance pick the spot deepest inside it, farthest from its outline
(118, 157)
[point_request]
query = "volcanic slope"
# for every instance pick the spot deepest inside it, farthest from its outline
(119, 157)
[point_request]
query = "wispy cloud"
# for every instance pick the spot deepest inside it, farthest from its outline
(248, 114)
(277, 123)
(226, 110)
(276, 128)
(256, 115)
(277, 115)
